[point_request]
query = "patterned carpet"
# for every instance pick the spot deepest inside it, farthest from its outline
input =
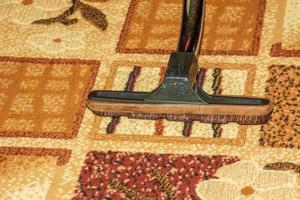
(52, 147)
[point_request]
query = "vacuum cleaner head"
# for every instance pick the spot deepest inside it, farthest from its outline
(178, 97)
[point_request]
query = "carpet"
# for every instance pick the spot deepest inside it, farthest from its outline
(52, 147)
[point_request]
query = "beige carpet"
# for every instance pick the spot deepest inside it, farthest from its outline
(52, 147)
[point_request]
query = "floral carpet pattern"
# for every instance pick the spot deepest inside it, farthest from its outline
(53, 147)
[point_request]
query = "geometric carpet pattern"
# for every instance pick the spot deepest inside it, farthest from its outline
(53, 147)
(42, 97)
(283, 128)
(148, 76)
(228, 29)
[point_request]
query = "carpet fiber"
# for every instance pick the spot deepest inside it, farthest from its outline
(52, 147)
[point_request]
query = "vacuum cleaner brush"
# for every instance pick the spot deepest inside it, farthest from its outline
(178, 97)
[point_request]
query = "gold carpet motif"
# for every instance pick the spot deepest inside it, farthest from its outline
(53, 147)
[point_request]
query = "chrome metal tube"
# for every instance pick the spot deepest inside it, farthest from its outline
(191, 26)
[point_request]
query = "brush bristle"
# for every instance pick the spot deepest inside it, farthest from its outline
(216, 118)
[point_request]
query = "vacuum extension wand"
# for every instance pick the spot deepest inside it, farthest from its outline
(178, 97)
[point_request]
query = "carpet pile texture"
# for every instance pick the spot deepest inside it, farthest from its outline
(52, 147)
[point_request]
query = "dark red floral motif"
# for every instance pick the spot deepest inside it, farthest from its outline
(116, 175)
